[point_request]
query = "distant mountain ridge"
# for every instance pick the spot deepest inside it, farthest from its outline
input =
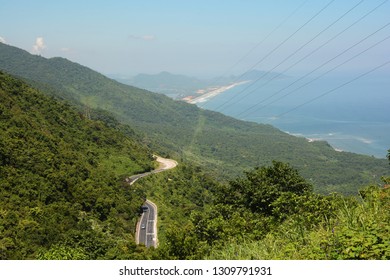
(173, 85)
(166, 79)
(180, 86)
(222, 145)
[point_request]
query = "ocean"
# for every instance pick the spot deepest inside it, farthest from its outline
(353, 118)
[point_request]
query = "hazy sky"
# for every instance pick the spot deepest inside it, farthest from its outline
(199, 37)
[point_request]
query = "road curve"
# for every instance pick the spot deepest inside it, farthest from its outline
(164, 164)
(146, 229)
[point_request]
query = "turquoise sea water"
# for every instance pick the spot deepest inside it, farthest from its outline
(353, 118)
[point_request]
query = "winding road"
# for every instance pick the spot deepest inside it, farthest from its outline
(146, 230)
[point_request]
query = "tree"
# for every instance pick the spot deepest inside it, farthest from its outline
(182, 244)
(263, 186)
(63, 252)
(386, 179)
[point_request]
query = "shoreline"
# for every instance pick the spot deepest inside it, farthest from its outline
(311, 140)
(207, 94)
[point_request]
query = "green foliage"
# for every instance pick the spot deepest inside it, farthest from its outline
(247, 209)
(356, 230)
(386, 179)
(220, 144)
(62, 252)
(272, 213)
(178, 193)
(61, 175)
(61, 178)
(263, 186)
(363, 228)
(181, 244)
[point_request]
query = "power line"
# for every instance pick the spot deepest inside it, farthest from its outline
(216, 80)
(317, 68)
(318, 48)
(327, 72)
(334, 89)
(261, 42)
(295, 52)
(308, 55)
(281, 44)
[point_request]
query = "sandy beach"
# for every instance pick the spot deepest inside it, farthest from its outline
(210, 93)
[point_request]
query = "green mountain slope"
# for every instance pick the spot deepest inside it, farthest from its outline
(223, 145)
(61, 192)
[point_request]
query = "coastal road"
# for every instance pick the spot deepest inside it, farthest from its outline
(146, 230)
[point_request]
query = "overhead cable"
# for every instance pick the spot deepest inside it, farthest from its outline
(334, 89)
(291, 55)
(317, 68)
(318, 77)
(282, 43)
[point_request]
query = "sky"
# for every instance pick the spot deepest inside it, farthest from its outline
(202, 38)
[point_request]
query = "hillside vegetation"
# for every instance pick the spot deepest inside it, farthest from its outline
(61, 190)
(269, 213)
(222, 145)
(63, 197)
(359, 229)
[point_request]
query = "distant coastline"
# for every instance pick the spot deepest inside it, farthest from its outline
(210, 93)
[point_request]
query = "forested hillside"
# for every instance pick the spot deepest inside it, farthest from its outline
(61, 174)
(269, 213)
(62, 197)
(222, 145)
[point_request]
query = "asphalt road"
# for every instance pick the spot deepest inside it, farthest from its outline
(147, 227)
(146, 231)
(164, 164)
